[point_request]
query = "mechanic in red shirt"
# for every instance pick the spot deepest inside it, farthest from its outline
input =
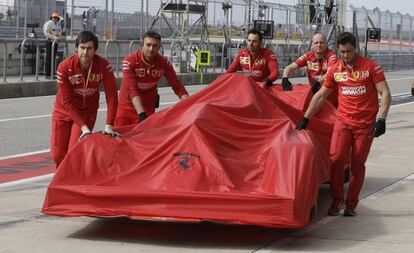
(317, 61)
(255, 61)
(77, 100)
(142, 70)
(358, 81)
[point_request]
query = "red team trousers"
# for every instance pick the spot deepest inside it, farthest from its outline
(65, 134)
(344, 139)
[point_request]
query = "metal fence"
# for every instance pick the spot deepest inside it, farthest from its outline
(120, 23)
(396, 30)
(128, 19)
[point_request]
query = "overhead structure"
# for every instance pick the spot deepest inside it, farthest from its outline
(187, 21)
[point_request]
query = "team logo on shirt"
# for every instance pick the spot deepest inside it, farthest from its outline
(354, 90)
(341, 76)
(244, 60)
(313, 65)
(154, 72)
(75, 79)
(140, 72)
(356, 74)
(86, 92)
(91, 77)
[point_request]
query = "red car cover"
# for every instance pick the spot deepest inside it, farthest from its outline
(229, 153)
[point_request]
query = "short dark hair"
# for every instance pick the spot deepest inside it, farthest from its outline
(346, 38)
(257, 32)
(152, 34)
(86, 36)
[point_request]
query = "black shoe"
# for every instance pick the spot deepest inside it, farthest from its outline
(412, 91)
(350, 212)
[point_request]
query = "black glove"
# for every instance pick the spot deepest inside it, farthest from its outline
(157, 102)
(287, 85)
(315, 86)
(303, 124)
(268, 82)
(142, 116)
(379, 127)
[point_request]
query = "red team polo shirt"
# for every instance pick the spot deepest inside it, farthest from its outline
(264, 66)
(74, 98)
(317, 68)
(141, 78)
(357, 94)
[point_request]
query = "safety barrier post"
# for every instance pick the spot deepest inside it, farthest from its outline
(4, 60)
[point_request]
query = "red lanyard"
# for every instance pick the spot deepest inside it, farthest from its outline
(85, 84)
(255, 60)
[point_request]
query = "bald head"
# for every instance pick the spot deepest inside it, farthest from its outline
(319, 44)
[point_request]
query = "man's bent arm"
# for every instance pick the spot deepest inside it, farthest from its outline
(289, 69)
(317, 101)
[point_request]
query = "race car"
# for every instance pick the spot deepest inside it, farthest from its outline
(229, 153)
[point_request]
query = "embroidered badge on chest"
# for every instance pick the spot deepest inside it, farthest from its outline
(91, 77)
(140, 72)
(154, 72)
(356, 74)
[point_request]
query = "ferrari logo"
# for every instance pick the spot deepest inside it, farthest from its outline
(91, 77)
(184, 162)
(154, 72)
(356, 75)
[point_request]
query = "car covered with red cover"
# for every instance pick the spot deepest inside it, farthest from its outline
(229, 153)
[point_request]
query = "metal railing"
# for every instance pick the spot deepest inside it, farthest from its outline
(22, 53)
(20, 45)
(223, 54)
(53, 56)
(4, 60)
(117, 52)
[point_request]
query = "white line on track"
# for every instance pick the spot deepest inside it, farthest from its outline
(400, 95)
(50, 115)
(25, 154)
(27, 180)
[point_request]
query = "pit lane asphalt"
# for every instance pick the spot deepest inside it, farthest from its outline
(384, 224)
